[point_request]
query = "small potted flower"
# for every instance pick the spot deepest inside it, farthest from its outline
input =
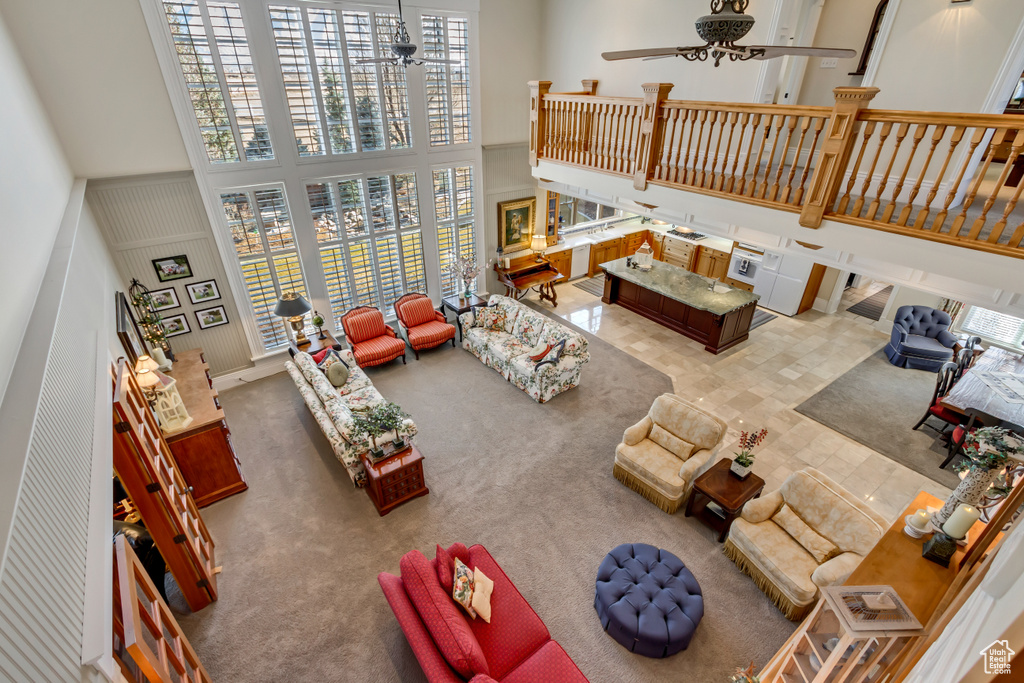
(744, 460)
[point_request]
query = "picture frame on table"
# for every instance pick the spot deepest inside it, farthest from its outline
(128, 330)
(201, 292)
(516, 221)
(164, 299)
(211, 317)
(172, 268)
(175, 325)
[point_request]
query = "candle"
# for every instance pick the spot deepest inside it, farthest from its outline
(961, 521)
(508, 262)
(919, 520)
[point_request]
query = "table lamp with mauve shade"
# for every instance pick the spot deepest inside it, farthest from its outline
(294, 307)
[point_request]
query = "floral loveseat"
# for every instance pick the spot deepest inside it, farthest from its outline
(333, 407)
(506, 348)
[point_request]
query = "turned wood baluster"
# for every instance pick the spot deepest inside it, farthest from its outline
(744, 118)
(997, 229)
(760, 153)
(755, 121)
(677, 151)
(958, 222)
(780, 121)
(954, 142)
(691, 176)
(883, 135)
(669, 143)
(590, 132)
(979, 223)
(712, 124)
(1018, 234)
(716, 178)
(615, 138)
(819, 125)
(791, 124)
(599, 153)
(574, 132)
(937, 135)
(940, 218)
(559, 133)
(692, 118)
(733, 118)
(844, 201)
(901, 133)
(919, 131)
(805, 125)
(631, 135)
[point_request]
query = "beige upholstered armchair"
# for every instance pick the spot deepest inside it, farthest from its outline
(662, 454)
(809, 534)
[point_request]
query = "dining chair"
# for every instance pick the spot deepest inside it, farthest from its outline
(975, 419)
(947, 376)
(964, 360)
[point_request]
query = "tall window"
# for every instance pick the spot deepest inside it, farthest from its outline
(456, 220)
(995, 326)
(370, 239)
(239, 122)
(261, 230)
(447, 38)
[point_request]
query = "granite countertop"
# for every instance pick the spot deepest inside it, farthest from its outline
(683, 286)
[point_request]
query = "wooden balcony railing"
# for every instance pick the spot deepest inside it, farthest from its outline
(953, 178)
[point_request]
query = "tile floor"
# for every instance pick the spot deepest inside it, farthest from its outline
(758, 383)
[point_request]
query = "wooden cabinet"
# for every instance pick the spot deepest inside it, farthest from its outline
(551, 219)
(632, 242)
(712, 263)
(602, 252)
(738, 285)
(678, 252)
(562, 262)
(657, 241)
(203, 449)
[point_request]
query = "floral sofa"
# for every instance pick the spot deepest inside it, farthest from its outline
(506, 349)
(333, 407)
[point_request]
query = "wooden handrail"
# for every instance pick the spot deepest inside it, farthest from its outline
(951, 178)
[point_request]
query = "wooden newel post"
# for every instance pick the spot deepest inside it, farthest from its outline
(538, 119)
(650, 135)
(835, 153)
(590, 86)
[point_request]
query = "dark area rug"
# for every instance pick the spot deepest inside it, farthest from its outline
(878, 404)
(872, 307)
(591, 285)
(301, 549)
(761, 316)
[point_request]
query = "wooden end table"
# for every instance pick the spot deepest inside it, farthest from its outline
(313, 344)
(726, 490)
(396, 479)
(458, 305)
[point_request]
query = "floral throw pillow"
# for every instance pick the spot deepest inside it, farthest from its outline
(462, 589)
(490, 317)
(329, 359)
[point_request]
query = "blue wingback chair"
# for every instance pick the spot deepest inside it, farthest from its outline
(920, 338)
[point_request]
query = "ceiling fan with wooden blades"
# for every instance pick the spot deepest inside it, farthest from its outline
(726, 24)
(402, 49)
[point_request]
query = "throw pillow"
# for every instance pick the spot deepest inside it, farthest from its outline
(337, 373)
(670, 442)
(462, 587)
(445, 561)
(490, 317)
(810, 540)
(553, 355)
(449, 630)
(329, 359)
(538, 352)
(482, 589)
(319, 355)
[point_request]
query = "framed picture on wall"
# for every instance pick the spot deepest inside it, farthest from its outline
(175, 325)
(172, 268)
(211, 317)
(127, 330)
(201, 292)
(515, 223)
(164, 299)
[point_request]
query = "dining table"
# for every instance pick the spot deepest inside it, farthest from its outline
(974, 391)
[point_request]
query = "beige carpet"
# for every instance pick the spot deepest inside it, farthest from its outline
(301, 549)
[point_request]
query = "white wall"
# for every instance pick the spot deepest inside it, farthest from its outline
(945, 57)
(510, 56)
(576, 32)
(843, 23)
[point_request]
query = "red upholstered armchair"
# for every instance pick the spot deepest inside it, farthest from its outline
(424, 327)
(372, 342)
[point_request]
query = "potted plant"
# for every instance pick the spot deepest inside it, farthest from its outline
(318, 320)
(987, 452)
(365, 422)
(391, 417)
(744, 460)
(382, 418)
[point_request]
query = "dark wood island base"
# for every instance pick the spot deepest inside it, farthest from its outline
(716, 332)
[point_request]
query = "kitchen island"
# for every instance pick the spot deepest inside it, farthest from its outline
(682, 301)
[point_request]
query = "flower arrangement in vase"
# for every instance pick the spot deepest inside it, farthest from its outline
(744, 460)
(464, 270)
(987, 451)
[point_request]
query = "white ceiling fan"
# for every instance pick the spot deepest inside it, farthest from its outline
(403, 49)
(726, 24)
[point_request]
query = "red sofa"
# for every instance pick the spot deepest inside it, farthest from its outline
(514, 648)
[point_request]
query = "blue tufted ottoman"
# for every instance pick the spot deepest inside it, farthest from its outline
(647, 600)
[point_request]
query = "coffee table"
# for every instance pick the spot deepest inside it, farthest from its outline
(396, 479)
(726, 490)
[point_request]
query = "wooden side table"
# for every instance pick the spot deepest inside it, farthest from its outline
(458, 305)
(726, 490)
(314, 344)
(396, 479)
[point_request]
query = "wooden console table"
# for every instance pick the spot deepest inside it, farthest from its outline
(203, 450)
(519, 278)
